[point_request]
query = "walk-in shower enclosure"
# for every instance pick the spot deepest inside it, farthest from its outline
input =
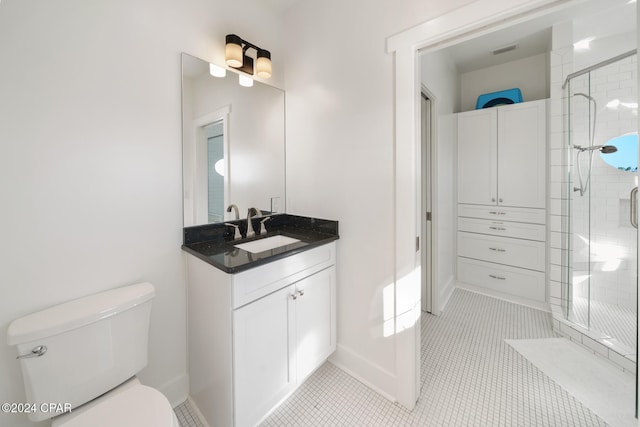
(600, 289)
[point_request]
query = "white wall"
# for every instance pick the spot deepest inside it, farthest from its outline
(529, 74)
(340, 164)
(440, 76)
(90, 157)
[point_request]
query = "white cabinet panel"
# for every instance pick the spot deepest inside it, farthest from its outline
(502, 250)
(263, 355)
(315, 321)
(518, 282)
(254, 337)
(477, 157)
(502, 155)
(535, 216)
(257, 282)
(502, 170)
(518, 230)
(522, 155)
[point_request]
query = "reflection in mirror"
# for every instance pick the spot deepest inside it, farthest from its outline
(233, 145)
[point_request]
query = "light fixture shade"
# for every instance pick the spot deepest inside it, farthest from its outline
(233, 51)
(245, 81)
(263, 64)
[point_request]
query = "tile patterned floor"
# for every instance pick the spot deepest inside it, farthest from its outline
(186, 415)
(470, 377)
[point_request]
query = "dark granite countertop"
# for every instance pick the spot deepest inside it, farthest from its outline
(214, 243)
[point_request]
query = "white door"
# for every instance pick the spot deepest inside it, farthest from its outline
(522, 152)
(477, 157)
(314, 321)
(263, 355)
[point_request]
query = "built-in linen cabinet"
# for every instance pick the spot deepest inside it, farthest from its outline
(502, 154)
(254, 336)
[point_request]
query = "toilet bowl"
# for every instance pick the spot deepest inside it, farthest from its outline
(84, 355)
(129, 405)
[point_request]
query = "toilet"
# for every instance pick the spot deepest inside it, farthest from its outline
(79, 361)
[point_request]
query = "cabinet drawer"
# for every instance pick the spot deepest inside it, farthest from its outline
(536, 216)
(503, 250)
(257, 282)
(518, 230)
(509, 280)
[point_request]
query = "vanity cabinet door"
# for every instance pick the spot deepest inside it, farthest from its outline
(263, 355)
(315, 321)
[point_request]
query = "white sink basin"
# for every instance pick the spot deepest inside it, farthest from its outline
(266, 244)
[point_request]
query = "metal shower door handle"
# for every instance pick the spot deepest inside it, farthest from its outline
(634, 207)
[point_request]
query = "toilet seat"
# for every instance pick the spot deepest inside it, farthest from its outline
(135, 405)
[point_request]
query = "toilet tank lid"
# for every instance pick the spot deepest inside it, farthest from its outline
(77, 313)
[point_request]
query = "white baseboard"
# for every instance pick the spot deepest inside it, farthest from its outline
(538, 305)
(446, 291)
(176, 390)
(363, 370)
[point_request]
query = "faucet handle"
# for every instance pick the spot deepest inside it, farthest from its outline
(263, 230)
(237, 234)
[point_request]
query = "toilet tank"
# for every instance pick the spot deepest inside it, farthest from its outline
(93, 344)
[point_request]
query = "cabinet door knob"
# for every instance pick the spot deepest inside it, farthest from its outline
(493, 199)
(500, 200)
(294, 296)
(301, 292)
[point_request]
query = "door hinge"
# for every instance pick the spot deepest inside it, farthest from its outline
(428, 216)
(417, 243)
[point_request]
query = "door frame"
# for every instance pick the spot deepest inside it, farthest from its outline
(477, 18)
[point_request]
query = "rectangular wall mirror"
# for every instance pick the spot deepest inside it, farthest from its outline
(233, 140)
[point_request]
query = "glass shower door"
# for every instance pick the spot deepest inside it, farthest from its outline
(603, 244)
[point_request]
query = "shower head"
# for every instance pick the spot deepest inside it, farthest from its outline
(604, 149)
(608, 149)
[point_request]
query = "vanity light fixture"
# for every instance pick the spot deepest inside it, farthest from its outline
(236, 57)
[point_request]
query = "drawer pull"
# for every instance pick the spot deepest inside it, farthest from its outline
(498, 228)
(493, 276)
(497, 213)
(498, 249)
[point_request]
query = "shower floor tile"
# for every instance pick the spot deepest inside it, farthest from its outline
(612, 320)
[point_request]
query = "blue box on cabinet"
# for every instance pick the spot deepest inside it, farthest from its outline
(501, 97)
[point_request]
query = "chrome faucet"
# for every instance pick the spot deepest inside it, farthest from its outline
(235, 208)
(251, 213)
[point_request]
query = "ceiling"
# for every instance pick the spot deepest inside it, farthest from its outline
(592, 18)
